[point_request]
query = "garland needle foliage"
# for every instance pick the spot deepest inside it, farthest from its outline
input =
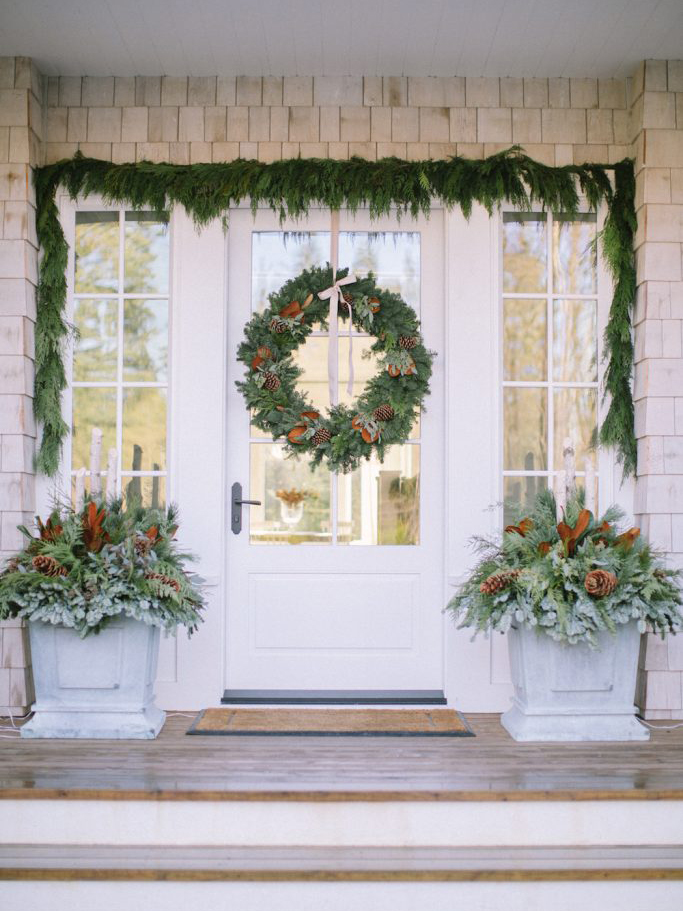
(292, 187)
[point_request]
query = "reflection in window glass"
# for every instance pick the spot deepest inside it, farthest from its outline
(575, 341)
(524, 252)
(278, 256)
(92, 407)
(520, 492)
(392, 256)
(123, 341)
(147, 491)
(96, 252)
(525, 349)
(295, 501)
(145, 254)
(311, 357)
(574, 269)
(525, 422)
(576, 418)
(145, 340)
(96, 343)
(144, 429)
(379, 503)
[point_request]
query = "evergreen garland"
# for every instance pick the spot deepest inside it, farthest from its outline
(291, 187)
(387, 408)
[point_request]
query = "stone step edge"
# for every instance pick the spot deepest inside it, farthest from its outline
(205, 864)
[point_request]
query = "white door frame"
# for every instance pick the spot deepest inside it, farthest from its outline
(192, 672)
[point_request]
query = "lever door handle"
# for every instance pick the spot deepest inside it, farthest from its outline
(236, 507)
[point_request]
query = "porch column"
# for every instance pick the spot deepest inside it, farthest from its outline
(657, 133)
(20, 149)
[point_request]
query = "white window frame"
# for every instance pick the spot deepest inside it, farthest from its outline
(59, 488)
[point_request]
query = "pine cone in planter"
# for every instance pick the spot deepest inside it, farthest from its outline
(48, 566)
(599, 583)
(322, 435)
(498, 581)
(164, 580)
(271, 381)
(383, 413)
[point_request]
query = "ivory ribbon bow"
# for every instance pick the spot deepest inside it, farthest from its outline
(334, 293)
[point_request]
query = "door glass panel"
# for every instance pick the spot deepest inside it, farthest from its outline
(295, 501)
(525, 429)
(96, 321)
(525, 349)
(311, 357)
(379, 503)
(278, 256)
(392, 256)
(574, 270)
(576, 418)
(92, 407)
(145, 253)
(145, 340)
(144, 429)
(520, 492)
(524, 252)
(147, 491)
(575, 341)
(97, 252)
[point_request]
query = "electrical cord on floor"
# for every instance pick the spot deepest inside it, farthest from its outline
(14, 730)
(661, 727)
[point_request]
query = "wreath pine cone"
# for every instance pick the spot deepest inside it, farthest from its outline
(383, 413)
(271, 381)
(48, 566)
(599, 583)
(498, 581)
(322, 435)
(278, 325)
(407, 342)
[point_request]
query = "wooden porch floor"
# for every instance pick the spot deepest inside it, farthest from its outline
(490, 766)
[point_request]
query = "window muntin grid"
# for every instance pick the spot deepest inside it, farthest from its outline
(549, 347)
(121, 354)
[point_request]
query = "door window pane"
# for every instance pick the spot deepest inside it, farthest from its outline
(392, 256)
(146, 253)
(576, 418)
(278, 256)
(525, 420)
(92, 407)
(575, 341)
(574, 270)
(525, 349)
(311, 357)
(379, 503)
(96, 252)
(96, 344)
(295, 501)
(520, 492)
(145, 340)
(144, 429)
(524, 252)
(147, 491)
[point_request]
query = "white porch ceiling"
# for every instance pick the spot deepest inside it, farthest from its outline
(599, 38)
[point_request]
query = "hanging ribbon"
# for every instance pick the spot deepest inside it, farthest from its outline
(334, 295)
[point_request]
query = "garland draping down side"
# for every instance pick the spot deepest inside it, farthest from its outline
(291, 187)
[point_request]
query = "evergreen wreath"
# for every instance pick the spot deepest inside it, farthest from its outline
(291, 187)
(381, 416)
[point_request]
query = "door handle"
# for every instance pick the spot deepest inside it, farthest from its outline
(236, 507)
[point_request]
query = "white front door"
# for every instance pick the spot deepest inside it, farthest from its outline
(343, 589)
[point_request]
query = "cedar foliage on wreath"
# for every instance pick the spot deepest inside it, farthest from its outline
(385, 411)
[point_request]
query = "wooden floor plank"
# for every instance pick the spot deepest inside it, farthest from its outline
(488, 766)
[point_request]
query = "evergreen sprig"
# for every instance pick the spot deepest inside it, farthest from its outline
(291, 187)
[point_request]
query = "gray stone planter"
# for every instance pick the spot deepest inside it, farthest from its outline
(98, 687)
(573, 692)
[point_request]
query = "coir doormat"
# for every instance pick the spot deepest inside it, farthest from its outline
(331, 722)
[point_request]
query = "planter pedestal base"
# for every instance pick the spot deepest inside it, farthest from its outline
(574, 692)
(136, 724)
(99, 687)
(558, 728)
